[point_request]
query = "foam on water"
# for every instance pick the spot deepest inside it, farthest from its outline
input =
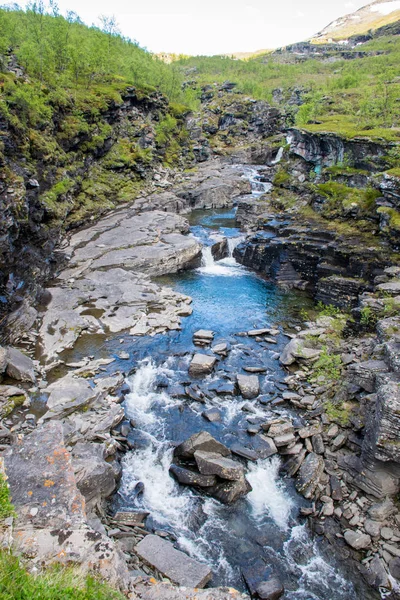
(227, 267)
(143, 398)
(268, 497)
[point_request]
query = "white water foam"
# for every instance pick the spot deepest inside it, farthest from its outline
(142, 399)
(268, 497)
(227, 267)
(311, 569)
(278, 157)
(162, 496)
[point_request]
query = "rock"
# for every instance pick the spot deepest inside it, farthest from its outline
(328, 507)
(173, 564)
(221, 349)
(387, 533)
(189, 477)
(68, 395)
(307, 432)
(373, 528)
(131, 518)
(213, 415)
(249, 386)
(203, 337)
(339, 441)
(41, 476)
(229, 492)
(278, 429)
(222, 388)
(3, 360)
(293, 464)
(318, 444)
(382, 510)
(375, 573)
(357, 540)
(364, 373)
(20, 366)
(95, 477)
(270, 590)
(309, 474)
(284, 440)
(336, 488)
(202, 364)
(200, 441)
(258, 332)
(296, 349)
(244, 452)
(10, 398)
(394, 568)
(210, 463)
(156, 590)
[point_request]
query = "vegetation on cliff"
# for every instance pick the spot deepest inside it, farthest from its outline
(349, 91)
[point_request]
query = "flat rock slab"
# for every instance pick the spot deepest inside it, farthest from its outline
(189, 477)
(68, 395)
(210, 463)
(202, 364)
(19, 366)
(172, 563)
(249, 386)
(165, 591)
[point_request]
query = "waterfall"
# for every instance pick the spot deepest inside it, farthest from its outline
(232, 243)
(207, 259)
(278, 157)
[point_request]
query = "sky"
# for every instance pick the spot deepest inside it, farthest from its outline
(214, 26)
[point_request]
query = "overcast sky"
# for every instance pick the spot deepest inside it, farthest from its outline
(214, 26)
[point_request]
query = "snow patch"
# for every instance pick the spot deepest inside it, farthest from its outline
(386, 7)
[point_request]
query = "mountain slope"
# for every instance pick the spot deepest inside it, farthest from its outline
(369, 17)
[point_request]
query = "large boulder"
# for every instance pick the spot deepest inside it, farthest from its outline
(95, 477)
(20, 366)
(229, 492)
(52, 524)
(309, 474)
(172, 563)
(200, 441)
(68, 395)
(249, 386)
(202, 364)
(210, 463)
(357, 539)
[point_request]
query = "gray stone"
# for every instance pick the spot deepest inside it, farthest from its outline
(309, 475)
(249, 386)
(131, 518)
(20, 366)
(202, 364)
(67, 395)
(210, 463)
(387, 533)
(189, 477)
(213, 415)
(229, 492)
(95, 477)
(244, 452)
(373, 528)
(40, 475)
(284, 440)
(376, 574)
(394, 568)
(157, 590)
(318, 444)
(364, 373)
(270, 590)
(296, 349)
(203, 337)
(293, 465)
(200, 441)
(382, 510)
(221, 349)
(357, 540)
(173, 564)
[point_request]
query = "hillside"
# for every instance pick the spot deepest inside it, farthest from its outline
(369, 17)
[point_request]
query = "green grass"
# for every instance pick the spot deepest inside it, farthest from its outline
(6, 508)
(338, 413)
(53, 584)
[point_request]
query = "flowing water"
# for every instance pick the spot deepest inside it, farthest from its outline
(228, 299)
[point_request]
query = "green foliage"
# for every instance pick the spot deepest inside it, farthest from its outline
(327, 366)
(281, 177)
(6, 508)
(342, 198)
(338, 413)
(328, 310)
(350, 97)
(53, 584)
(367, 317)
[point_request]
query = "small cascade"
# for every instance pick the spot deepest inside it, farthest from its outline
(278, 157)
(207, 259)
(232, 243)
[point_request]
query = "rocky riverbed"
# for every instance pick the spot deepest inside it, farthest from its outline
(265, 390)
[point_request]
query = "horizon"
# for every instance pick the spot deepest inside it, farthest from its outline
(212, 29)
